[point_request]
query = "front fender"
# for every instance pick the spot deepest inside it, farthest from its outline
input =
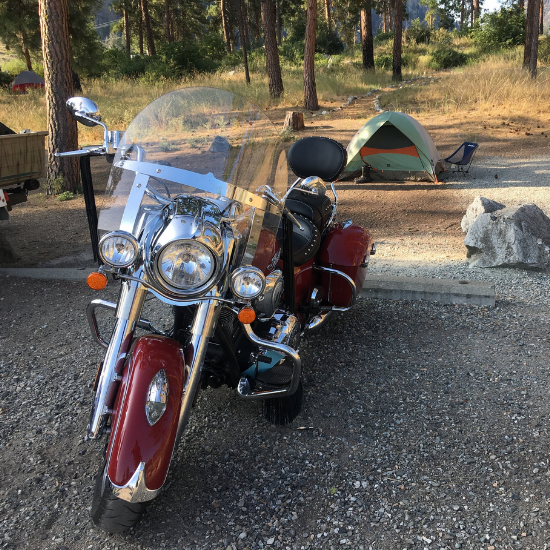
(133, 441)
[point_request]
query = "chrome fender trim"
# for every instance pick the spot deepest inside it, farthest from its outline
(136, 489)
(244, 389)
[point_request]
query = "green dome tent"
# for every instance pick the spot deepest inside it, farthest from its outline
(395, 146)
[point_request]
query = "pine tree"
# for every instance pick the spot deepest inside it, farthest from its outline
(62, 131)
(310, 89)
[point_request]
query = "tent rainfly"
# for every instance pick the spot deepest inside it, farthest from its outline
(25, 80)
(395, 146)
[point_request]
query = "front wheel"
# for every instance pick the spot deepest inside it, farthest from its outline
(110, 513)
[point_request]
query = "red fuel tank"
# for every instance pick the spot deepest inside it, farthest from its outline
(346, 248)
(133, 439)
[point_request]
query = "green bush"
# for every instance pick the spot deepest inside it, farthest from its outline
(544, 49)
(445, 58)
(419, 32)
(5, 79)
(65, 196)
(500, 29)
(383, 37)
(384, 62)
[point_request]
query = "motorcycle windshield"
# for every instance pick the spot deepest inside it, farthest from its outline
(199, 141)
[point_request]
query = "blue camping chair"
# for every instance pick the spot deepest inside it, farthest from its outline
(463, 156)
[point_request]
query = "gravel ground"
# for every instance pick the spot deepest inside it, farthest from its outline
(424, 426)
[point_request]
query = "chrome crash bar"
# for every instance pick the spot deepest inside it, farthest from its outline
(92, 321)
(245, 390)
(346, 278)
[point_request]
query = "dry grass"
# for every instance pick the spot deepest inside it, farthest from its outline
(495, 87)
(121, 100)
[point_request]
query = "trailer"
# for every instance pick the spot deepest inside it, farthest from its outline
(22, 163)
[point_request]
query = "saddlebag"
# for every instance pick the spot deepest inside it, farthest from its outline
(346, 249)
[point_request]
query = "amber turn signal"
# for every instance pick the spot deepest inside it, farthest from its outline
(247, 315)
(96, 280)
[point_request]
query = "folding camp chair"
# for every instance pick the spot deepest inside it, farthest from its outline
(463, 156)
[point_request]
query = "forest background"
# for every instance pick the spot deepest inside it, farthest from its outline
(128, 52)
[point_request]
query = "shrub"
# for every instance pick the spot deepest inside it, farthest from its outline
(65, 196)
(384, 62)
(383, 37)
(5, 79)
(445, 58)
(419, 32)
(500, 29)
(544, 49)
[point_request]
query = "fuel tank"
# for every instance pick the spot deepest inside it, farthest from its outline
(133, 439)
(346, 248)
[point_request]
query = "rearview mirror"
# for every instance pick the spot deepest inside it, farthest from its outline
(84, 110)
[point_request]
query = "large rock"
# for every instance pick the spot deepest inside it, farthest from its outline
(481, 205)
(517, 236)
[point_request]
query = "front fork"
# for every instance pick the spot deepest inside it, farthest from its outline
(128, 313)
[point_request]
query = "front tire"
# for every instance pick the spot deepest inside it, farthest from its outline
(111, 513)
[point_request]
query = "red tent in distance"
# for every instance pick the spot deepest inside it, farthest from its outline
(25, 80)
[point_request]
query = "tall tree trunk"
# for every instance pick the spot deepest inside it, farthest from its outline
(27, 58)
(477, 10)
(534, 39)
(397, 40)
(310, 89)
(167, 31)
(127, 31)
(530, 30)
(58, 77)
(462, 10)
(225, 25)
(151, 50)
(278, 19)
(271, 52)
(541, 17)
(327, 14)
(521, 4)
(366, 37)
(244, 8)
(140, 29)
(242, 32)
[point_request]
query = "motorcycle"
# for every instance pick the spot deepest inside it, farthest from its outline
(200, 213)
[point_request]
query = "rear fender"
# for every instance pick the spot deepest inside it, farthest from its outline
(134, 443)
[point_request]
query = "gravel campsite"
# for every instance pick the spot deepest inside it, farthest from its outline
(424, 425)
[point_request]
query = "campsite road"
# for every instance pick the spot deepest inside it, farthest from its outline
(424, 426)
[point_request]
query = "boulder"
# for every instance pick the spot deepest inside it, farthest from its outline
(219, 145)
(481, 205)
(517, 236)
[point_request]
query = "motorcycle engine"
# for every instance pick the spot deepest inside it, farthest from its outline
(267, 304)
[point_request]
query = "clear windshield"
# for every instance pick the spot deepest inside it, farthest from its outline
(201, 141)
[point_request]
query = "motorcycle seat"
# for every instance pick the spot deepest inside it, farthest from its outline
(316, 208)
(304, 243)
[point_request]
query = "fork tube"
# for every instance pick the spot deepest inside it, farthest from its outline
(202, 329)
(130, 305)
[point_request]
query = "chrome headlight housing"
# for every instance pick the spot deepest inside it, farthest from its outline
(185, 264)
(247, 282)
(118, 249)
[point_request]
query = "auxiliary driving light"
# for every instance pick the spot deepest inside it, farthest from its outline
(247, 282)
(118, 249)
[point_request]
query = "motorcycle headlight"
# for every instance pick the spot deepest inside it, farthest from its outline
(186, 264)
(118, 249)
(247, 282)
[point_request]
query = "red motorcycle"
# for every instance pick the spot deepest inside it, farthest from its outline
(201, 214)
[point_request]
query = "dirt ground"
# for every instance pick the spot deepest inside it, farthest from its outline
(393, 211)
